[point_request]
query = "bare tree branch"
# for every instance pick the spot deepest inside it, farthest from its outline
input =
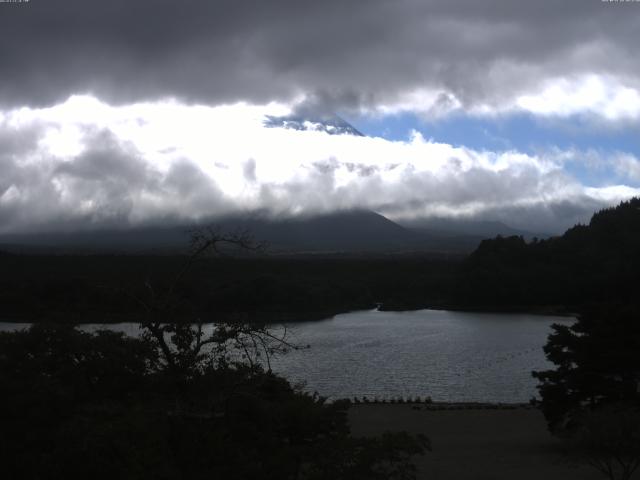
(185, 347)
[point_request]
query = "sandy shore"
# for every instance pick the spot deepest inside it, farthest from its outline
(477, 444)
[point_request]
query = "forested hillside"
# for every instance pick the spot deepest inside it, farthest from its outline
(590, 263)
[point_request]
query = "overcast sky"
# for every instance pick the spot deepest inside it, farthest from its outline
(119, 112)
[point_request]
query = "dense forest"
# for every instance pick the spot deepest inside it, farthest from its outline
(589, 264)
(76, 288)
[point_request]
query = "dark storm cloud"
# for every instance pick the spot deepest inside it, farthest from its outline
(344, 53)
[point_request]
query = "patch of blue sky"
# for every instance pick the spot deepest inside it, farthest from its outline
(521, 132)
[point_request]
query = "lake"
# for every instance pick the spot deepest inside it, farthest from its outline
(449, 356)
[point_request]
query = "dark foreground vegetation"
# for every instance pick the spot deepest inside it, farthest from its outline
(103, 406)
(183, 401)
(179, 403)
(592, 395)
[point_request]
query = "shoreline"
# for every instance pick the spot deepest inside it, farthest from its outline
(298, 317)
(428, 405)
(547, 310)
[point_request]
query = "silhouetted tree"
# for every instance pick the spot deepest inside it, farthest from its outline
(596, 360)
(186, 347)
(592, 396)
(186, 400)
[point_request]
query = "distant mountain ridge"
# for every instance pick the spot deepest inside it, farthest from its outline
(463, 226)
(347, 231)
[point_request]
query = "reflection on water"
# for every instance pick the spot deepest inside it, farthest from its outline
(449, 356)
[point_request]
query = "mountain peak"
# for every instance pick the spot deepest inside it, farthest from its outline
(332, 124)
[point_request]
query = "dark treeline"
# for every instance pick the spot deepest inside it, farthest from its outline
(589, 264)
(102, 287)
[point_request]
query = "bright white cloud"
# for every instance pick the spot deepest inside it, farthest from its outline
(86, 162)
(627, 166)
(592, 94)
(602, 97)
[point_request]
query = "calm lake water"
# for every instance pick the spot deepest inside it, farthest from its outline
(449, 356)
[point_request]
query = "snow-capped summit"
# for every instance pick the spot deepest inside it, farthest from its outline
(331, 124)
